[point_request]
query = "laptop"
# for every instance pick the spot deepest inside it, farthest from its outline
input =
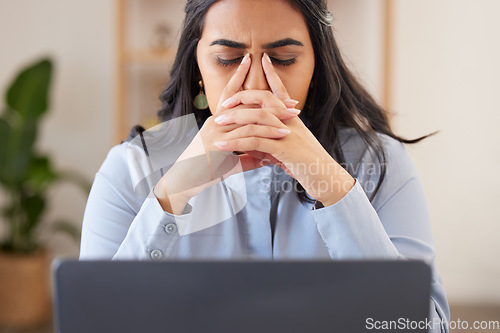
(245, 296)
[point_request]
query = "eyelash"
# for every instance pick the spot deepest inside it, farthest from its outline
(226, 63)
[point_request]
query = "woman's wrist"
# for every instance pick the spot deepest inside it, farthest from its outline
(340, 190)
(173, 203)
(333, 185)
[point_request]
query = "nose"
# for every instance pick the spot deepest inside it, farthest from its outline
(256, 78)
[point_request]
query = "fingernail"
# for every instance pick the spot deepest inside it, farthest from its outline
(293, 111)
(291, 101)
(220, 119)
(245, 58)
(226, 102)
(284, 130)
(267, 58)
(220, 144)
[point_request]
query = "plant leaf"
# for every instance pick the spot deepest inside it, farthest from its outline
(41, 174)
(28, 94)
(19, 152)
(4, 135)
(33, 206)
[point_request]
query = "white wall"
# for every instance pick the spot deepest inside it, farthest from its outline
(78, 35)
(446, 78)
(358, 29)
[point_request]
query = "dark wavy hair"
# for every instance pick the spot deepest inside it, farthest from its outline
(337, 101)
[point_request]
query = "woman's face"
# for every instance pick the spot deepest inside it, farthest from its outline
(233, 28)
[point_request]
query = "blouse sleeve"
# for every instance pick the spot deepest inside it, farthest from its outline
(395, 225)
(113, 235)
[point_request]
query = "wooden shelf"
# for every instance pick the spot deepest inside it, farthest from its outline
(137, 64)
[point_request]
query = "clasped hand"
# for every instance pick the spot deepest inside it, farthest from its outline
(263, 124)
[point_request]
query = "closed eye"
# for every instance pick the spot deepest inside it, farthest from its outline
(286, 62)
(230, 62)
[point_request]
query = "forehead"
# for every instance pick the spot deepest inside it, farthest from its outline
(248, 21)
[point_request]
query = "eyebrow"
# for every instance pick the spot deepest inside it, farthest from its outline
(273, 45)
(283, 42)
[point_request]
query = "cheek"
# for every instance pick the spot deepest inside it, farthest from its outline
(297, 84)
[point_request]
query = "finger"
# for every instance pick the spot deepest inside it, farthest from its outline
(253, 130)
(258, 155)
(290, 103)
(236, 82)
(273, 79)
(257, 116)
(251, 116)
(252, 143)
(264, 98)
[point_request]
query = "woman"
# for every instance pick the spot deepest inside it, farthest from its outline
(325, 177)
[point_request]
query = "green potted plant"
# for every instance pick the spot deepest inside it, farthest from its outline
(25, 177)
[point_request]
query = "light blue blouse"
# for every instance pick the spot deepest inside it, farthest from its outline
(226, 222)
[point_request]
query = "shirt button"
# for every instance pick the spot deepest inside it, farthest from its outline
(156, 254)
(170, 228)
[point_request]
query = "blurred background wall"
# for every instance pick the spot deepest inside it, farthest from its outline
(77, 131)
(444, 76)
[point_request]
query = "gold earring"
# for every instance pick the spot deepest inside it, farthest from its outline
(200, 101)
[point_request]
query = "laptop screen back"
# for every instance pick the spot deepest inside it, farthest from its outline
(251, 296)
